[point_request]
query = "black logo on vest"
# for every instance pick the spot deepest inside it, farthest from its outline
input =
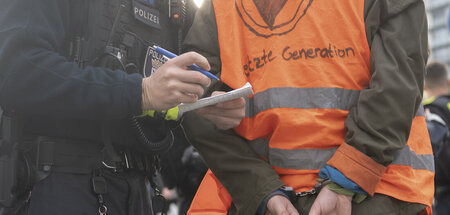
(268, 11)
(153, 60)
(147, 15)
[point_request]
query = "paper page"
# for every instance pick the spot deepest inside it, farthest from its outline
(244, 91)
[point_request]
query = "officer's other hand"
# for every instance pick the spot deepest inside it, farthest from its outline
(280, 205)
(224, 115)
(173, 83)
(331, 203)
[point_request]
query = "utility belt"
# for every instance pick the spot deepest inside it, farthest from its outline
(81, 157)
(50, 154)
(40, 156)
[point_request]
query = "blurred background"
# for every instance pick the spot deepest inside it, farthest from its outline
(439, 30)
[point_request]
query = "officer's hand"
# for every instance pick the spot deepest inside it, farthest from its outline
(280, 205)
(331, 203)
(173, 83)
(224, 115)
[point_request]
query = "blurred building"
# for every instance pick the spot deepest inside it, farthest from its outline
(439, 31)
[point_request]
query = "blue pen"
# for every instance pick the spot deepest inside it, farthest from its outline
(193, 67)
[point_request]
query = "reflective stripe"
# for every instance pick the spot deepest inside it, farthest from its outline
(408, 157)
(421, 111)
(316, 158)
(300, 158)
(304, 98)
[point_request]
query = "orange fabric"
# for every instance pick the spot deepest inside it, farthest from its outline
(416, 187)
(298, 122)
(211, 198)
(278, 57)
(353, 164)
(298, 45)
(418, 136)
(290, 176)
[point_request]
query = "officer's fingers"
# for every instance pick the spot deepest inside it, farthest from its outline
(186, 98)
(188, 88)
(174, 75)
(190, 58)
(191, 76)
(215, 93)
(200, 60)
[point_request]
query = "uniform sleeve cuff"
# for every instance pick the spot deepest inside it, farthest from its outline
(357, 167)
(134, 96)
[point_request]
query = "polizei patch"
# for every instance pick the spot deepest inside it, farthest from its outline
(147, 15)
(153, 60)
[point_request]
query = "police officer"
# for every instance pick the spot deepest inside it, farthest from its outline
(75, 80)
(437, 111)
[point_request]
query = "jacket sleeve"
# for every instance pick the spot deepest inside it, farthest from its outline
(36, 79)
(380, 122)
(246, 177)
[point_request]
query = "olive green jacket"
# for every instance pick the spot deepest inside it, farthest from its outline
(380, 123)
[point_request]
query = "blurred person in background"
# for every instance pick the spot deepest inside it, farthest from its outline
(437, 109)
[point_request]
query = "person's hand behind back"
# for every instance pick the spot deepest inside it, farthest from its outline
(280, 205)
(330, 203)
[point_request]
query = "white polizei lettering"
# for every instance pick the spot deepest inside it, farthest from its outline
(151, 17)
(146, 15)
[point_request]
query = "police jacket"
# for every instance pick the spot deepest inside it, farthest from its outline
(57, 97)
(379, 123)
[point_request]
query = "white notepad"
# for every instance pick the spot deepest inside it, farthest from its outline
(244, 91)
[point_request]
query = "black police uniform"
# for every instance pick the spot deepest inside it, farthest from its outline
(438, 123)
(71, 71)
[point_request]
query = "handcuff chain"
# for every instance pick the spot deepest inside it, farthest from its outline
(306, 193)
(315, 190)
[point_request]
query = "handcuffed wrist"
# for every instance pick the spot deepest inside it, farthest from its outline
(356, 197)
(263, 206)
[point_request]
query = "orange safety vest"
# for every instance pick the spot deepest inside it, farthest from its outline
(307, 62)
